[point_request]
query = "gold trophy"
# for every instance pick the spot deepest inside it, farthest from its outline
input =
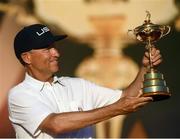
(154, 84)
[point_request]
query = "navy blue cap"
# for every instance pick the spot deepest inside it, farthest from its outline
(35, 36)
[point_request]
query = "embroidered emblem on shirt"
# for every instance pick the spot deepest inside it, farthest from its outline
(80, 109)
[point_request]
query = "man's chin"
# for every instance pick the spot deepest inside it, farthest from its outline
(55, 69)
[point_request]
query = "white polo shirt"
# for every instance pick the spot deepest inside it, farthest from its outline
(31, 101)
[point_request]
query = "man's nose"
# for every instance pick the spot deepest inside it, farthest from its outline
(54, 52)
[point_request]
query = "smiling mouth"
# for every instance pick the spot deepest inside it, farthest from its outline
(54, 61)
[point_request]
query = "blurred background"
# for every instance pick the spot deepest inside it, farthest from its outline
(100, 50)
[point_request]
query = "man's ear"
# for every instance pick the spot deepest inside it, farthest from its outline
(26, 57)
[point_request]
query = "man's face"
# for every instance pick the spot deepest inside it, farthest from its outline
(44, 60)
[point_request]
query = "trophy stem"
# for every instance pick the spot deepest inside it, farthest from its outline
(149, 47)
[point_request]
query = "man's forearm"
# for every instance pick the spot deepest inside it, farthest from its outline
(65, 122)
(134, 88)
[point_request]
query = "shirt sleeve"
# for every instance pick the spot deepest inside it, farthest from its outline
(27, 111)
(100, 96)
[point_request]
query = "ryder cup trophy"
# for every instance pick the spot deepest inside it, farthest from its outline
(154, 84)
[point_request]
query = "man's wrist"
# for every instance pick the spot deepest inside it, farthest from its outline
(145, 68)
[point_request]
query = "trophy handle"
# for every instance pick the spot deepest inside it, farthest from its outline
(168, 30)
(130, 32)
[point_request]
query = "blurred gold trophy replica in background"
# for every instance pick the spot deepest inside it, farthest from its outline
(154, 84)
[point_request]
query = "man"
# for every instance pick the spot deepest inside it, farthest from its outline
(44, 106)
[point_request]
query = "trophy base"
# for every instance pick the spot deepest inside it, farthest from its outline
(154, 86)
(157, 96)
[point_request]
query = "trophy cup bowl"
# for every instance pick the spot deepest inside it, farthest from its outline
(154, 84)
(151, 32)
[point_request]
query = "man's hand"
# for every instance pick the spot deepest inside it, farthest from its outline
(131, 104)
(156, 58)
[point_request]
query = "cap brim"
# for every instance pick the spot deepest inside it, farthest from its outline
(60, 37)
